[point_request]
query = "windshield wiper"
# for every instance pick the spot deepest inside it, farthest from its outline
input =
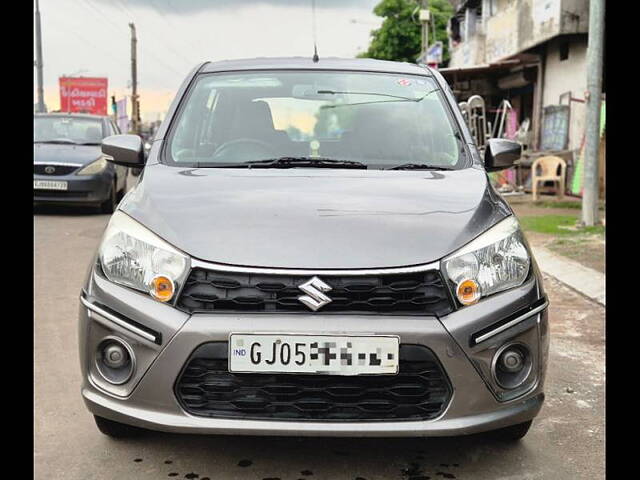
(418, 166)
(294, 162)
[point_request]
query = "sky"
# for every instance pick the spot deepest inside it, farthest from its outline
(92, 38)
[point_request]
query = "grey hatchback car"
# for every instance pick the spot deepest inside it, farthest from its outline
(68, 166)
(313, 248)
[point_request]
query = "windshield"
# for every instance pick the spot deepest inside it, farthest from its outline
(378, 120)
(62, 129)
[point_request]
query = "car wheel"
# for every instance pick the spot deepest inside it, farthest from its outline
(110, 204)
(115, 429)
(512, 433)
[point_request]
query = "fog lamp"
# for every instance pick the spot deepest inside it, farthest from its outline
(512, 365)
(114, 360)
(162, 288)
(511, 361)
(115, 356)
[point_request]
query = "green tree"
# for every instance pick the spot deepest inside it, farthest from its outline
(399, 36)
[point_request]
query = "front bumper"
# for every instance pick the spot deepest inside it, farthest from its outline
(81, 189)
(148, 400)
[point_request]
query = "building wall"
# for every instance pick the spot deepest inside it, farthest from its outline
(522, 24)
(502, 32)
(468, 53)
(561, 76)
(518, 25)
(575, 16)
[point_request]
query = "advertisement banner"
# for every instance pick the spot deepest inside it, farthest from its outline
(83, 95)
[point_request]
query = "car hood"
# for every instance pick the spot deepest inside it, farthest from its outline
(315, 218)
(58, 153)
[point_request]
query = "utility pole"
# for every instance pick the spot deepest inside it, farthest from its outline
(424, 20)
(41, 108)
(594, 97)
(135, 113)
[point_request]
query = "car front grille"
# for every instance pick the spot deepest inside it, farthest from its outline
(420, 391)
(57, 169)
(417, 293)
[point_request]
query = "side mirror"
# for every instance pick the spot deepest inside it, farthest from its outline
(124, 150)
(500, 153)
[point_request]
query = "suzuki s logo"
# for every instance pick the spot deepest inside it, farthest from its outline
(314, 298)
(49, 169)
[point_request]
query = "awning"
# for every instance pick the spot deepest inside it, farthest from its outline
(473, 70)
(518, 60)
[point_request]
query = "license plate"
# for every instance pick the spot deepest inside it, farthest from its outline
(49, 185)
(313, 354)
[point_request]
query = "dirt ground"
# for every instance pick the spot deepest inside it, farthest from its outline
(587, 249)
(524, 206)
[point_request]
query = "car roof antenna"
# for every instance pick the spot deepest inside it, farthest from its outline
(315, 46)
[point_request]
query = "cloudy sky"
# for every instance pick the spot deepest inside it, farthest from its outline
(91, 38)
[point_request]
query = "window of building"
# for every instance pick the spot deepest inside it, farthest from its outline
(454, 30)
(564, 51)
(470, 19)
(489, 8)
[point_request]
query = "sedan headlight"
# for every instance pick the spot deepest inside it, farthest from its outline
(133, 256)
(495, 261)
(94, 167)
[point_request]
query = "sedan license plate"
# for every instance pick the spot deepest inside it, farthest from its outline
(49, 185)
(313, 354)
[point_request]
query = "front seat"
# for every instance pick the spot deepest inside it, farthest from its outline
(253, 120)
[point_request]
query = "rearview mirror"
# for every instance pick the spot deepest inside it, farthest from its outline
(124, 150)
(501, 153)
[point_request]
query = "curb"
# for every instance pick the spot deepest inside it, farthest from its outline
(587, 281)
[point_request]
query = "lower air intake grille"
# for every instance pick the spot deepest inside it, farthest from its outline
(420, 391)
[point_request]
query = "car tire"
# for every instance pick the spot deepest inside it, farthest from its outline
(116, 430)
(110, 204)
(512, 433)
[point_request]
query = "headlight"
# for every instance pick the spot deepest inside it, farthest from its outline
(94, 167)
(132, 255)
(493, 262)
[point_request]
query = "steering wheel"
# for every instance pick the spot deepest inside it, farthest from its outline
(241, 148)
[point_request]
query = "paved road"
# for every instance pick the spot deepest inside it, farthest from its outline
(565, 442)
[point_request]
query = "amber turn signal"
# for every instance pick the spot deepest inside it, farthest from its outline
(162, 288)
(468, 292)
